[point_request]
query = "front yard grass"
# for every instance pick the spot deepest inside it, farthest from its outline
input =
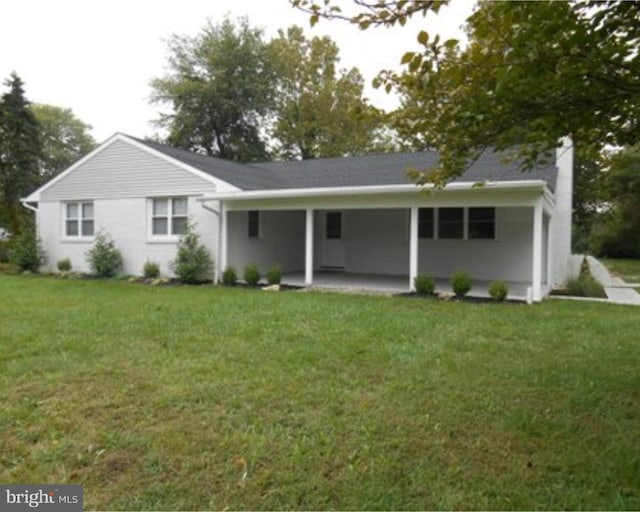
(191, 398)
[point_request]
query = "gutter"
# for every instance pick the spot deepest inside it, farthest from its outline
(28, 206)
(381, 189)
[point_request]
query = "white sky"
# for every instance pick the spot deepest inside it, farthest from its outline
(98, 58)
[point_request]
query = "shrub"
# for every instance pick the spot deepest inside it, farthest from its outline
(193, 263)
(274, 275)
(26, 251)
(229, 276)
(585, 284)
(151, 270)
(104, 258)
(64, 265)
(424, 284)
(498, 290)
(461, 283)
(4, 251)
(251, 274)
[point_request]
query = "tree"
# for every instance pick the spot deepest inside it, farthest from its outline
(320, 110)
(220, 89)
(617, 232)
(532, 73)
(65, 139)
(20, 151)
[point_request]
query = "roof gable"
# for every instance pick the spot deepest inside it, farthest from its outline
(123, 167)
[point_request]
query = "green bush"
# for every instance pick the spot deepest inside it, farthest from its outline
(498, 290)
(229, 276)
(585, 284)
(424, 284)
(8, 268)
(151, 270)
(274, 275)
(251, 275)
(104, 259)
(64, 265)
(461, 283)
(193, 263)
(4, 251)
(26, 251)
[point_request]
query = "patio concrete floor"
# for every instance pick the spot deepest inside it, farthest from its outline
(391, 284)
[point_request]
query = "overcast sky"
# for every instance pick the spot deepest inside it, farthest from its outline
(97, 58)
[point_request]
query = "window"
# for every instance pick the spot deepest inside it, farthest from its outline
(482, 223)
(425, 222)
(450, 223)
(78, 220)
(334, 226)
(254, 224)
(169, 216)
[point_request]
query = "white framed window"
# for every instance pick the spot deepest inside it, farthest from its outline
(79, 219)
(482, 223)
(451, 223)
(253, 224)
(169, 216)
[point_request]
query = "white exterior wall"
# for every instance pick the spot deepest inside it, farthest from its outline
(127, 222)
(376, 241)
(281, 241)
(121, 178)
(561, 232)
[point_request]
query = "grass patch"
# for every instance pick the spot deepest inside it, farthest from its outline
(155, 398)
(626, 269)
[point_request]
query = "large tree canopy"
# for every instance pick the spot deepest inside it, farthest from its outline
(531, 73)
(65, 139)
(234, 95)
(320, 110)
(616, 231)
(219, 89)
(20, 152)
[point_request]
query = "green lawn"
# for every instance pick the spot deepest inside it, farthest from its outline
(152, 398)
(627, 269)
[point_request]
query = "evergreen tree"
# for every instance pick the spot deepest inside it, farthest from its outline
(20, 152)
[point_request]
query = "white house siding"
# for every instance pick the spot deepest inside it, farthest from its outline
(281, 241)
(508, 257)
(127, 222)
(561, 230)
(375, 241)
(124, 170)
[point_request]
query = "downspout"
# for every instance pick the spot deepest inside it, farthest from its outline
(216, 274)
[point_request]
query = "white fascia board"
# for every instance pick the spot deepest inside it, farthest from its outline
(34, 197)
(378, 189)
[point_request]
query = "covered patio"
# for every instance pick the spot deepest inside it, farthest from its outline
(392, 284)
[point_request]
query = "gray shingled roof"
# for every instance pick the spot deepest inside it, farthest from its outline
(358, 171)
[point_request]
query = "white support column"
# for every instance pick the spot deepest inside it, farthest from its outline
(413, 247)
(224, 234)
(550, 248)
(308, 251)
(536, 284)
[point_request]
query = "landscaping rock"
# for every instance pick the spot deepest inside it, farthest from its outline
(272, 288)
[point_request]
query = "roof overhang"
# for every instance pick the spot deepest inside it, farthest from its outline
(248, 195)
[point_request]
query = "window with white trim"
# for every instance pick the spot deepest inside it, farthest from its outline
(451, 223)
(253, 227)
(78, 219)
(482, 223)
(169, 216)
(426, 222)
